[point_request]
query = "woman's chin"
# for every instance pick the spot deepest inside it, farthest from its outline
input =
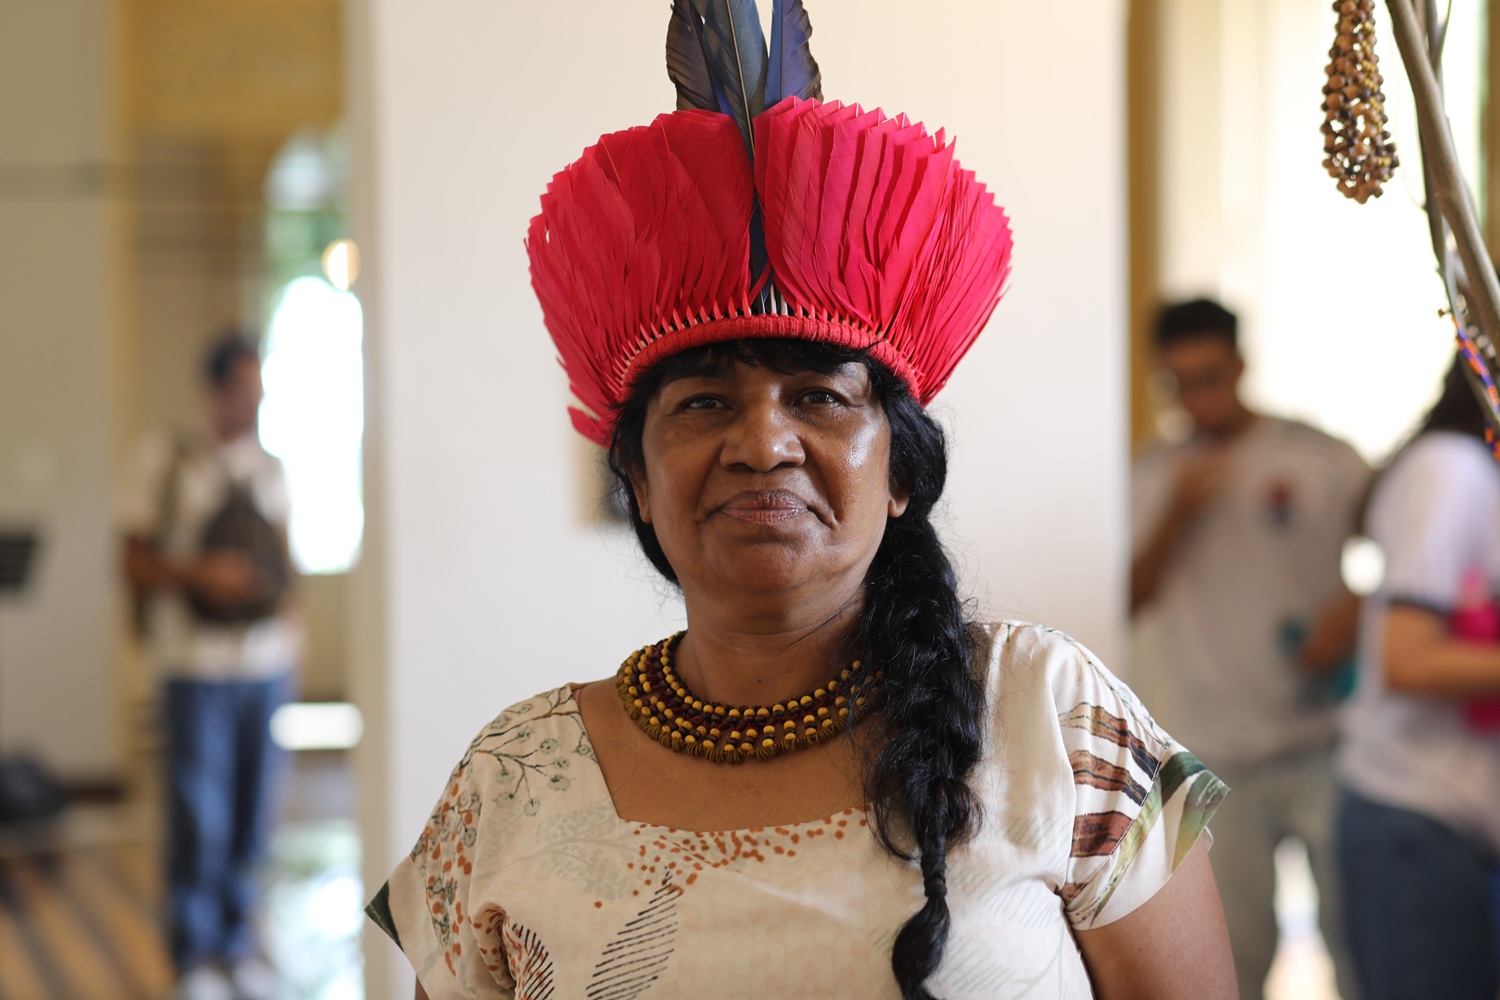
(769, 572)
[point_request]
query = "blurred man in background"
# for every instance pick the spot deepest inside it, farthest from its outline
(1237, 537)
(206, 553)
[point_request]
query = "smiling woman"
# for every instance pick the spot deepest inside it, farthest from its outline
(832, 783)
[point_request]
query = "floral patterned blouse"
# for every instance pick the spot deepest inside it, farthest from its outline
(527, 884)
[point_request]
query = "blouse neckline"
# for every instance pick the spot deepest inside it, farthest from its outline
(569, 706)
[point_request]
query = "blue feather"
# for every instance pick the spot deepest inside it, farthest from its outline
(735, 48)
(792, 71)
(687, 65)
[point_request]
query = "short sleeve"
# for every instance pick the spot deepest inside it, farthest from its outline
(1353, 474)
(1141, 800)
(138, 505)
(1150, 492)
(271, 492)
(1431, 517)
(428, 907)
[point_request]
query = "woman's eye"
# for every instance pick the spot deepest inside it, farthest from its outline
(820, 397)
(702, 403)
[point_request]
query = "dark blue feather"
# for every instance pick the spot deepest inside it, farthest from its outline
(687, 65)
(792, 71)
(735, 48)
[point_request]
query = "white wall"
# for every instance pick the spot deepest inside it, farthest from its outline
(1338, 300)
(57, 408)
(481, 583)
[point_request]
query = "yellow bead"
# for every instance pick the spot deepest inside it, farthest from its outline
(811, 732)
(734, 713)
(697, 705)
(689, 739)
(808, 720)
(768, 742)
(747, 747)
(789, 724)
(714, 732)
(843, 713)
(828, 723)
(762, 713)
(701, 730)
(708, 744)
(855, 665)
(820, 693)
(790, 738)
(823, 711)
(655, 721)
(841, 700)
(778, 708)
(734, 734)
(805, 700)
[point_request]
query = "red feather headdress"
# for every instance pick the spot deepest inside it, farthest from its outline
(849, 228)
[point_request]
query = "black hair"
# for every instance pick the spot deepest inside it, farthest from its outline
(927, 734)
(1456, 411)
(1196, 318)
(223, 352)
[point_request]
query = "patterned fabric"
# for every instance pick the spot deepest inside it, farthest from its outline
(526, 884)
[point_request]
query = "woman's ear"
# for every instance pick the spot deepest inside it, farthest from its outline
(638, 487)
(897, 504)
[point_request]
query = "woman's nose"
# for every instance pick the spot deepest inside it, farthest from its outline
(762, 437)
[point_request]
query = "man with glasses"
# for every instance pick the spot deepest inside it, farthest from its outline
(1238, 532)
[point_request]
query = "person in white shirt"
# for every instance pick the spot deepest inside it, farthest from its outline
(1238, 533)
(206, 554)
(1419, 764)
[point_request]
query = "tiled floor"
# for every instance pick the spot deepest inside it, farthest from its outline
(80, 899)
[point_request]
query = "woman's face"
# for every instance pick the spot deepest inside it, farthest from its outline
(759, 483)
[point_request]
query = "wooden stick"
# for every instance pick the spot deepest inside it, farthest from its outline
(1446, 184)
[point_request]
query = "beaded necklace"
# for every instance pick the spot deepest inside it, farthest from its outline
(672, 715)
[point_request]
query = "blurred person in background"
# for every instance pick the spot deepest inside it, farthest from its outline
(1419, 765)
(206, 554)
(1237, 535)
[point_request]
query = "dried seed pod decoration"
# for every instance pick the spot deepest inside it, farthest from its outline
(1360, 154)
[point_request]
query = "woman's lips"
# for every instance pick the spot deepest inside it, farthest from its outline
(764, 506)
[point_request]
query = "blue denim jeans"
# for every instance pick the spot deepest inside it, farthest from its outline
(222, 771)
(1419, 906)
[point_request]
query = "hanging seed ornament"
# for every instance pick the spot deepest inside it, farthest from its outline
(1361, 155)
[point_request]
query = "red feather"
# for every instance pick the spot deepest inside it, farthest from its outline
(876, 239)
(647, 232)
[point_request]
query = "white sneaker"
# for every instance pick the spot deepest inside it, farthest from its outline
(203, 982)
(254, 979)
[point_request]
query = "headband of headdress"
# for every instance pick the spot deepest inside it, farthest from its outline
(757, 210)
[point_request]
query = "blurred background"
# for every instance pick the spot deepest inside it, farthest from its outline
(351, 180)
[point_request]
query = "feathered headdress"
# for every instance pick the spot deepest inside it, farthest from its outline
(758, 210)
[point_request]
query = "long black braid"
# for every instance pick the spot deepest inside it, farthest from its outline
(929, 730)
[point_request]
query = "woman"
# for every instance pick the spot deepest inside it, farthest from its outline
(832, 784)
(1419, 816)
